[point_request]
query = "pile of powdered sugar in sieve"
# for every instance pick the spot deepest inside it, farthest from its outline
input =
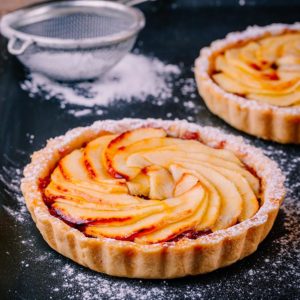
(136, 77)
(74, 282)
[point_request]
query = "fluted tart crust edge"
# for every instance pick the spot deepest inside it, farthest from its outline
(162, 260)
(279, 124)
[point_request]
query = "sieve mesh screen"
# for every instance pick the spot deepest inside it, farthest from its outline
(80, 25)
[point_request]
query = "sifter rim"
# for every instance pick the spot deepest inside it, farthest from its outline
(45, 11)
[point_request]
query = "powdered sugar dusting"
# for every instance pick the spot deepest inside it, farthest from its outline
(135, 78)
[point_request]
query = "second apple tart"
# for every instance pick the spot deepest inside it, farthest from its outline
(251, 79)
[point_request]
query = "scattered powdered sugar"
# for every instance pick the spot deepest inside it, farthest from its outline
(277, 259)
(11, 179)
(136, 77)
(30, 138)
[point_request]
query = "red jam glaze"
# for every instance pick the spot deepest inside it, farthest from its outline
(43, 183)
(189, 135)
(64, 174)
(92, 174)
(241, 95)
(190, 234)
(274, 66)
(220, 145)
(271, 76)
(136, 234)
(255, 66)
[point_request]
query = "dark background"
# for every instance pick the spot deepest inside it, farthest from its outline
(175, 32)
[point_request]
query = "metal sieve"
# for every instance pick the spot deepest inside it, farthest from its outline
(72, 40)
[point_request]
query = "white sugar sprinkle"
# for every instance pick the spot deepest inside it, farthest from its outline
(136, 78)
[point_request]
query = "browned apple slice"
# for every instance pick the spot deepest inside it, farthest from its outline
(94, 156)
(174, 210)
(125, 139)
(189, 220)
(212, 163)
(270, 46)
(128, 231)
(177, 145)
(231, 200)
(230, 85)
(60, 185)
(250, 203)
(244, 58)
(72, 166)
(160, 151)
(79, 213)
(289, 99)
(122, 158)
(214, 200)
(185, 183)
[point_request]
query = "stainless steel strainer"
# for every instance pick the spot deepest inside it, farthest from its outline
(73, 40)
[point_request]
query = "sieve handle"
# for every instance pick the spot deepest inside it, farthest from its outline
(15, 49)
(133, 2)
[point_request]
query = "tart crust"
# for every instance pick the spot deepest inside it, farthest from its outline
(162, 260)
(280, 124)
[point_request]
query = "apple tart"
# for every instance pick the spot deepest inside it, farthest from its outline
(251, 80)
(152, 198)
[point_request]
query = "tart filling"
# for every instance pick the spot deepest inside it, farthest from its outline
(266, 70)
(147, 187)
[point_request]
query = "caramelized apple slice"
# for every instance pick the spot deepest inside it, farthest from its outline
(214, 200)
(175, 209)
(185, 183)
(250, 204)
(231, 200)
(94, 156)
(105, 191)
(160, 151)
(272, 46)
(253, 181)
(243, 58)
(128, 231)
(60, 185)
(174, 144)
(279, 100)
(72, 166)
(187, 222)
(229, 84)
(80, 214)
(127, 138)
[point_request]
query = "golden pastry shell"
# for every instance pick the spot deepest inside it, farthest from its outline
(164, 260)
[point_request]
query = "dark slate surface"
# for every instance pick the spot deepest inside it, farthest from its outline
(29, 269)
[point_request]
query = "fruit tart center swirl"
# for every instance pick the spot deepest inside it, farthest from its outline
(266, 70)
(146, 187)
